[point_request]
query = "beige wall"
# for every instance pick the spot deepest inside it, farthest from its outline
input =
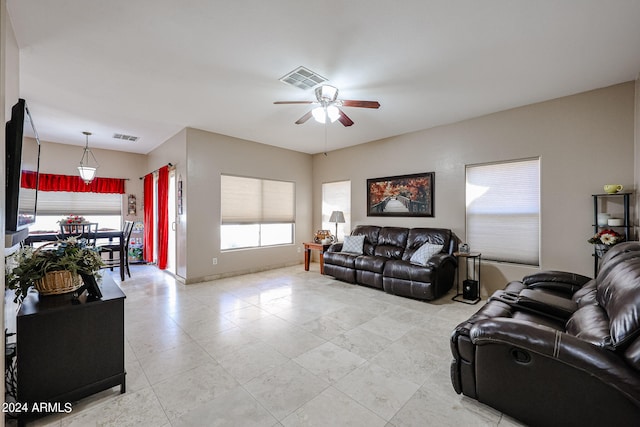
(583, 141)
(64, 159)
(209, 156)
(11, 67)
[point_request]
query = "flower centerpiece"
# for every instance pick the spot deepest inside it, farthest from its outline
(70, 257)
(73, 219)
(604, 239)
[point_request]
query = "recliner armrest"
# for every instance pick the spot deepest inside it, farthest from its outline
(547, 303)
(561, 281)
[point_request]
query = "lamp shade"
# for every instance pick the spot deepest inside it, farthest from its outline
(337, 217)
(87, 173)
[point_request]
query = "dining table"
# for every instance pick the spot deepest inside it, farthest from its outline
(101, 234)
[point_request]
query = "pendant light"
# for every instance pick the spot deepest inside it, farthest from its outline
(86, 170)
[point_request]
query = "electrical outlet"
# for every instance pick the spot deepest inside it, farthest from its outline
(215, 261)
(299, 249)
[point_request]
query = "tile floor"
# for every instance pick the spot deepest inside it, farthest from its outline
(281, 348)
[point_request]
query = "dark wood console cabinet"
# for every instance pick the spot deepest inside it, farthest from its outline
(69, 350)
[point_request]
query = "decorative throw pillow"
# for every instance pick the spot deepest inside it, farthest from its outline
(353, 244)
(424, 252)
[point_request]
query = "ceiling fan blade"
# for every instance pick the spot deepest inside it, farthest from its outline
(361, 104)
(304, 118)
(294, 102)
(346, 121)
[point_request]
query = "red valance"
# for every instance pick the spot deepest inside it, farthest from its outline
(72, 183)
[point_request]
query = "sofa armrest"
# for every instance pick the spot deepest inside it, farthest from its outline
(439, 259)
(336, 247)
(560, 281)
(604, 364)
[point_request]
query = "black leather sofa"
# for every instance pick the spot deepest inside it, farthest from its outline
(558, 348)
(386, 261)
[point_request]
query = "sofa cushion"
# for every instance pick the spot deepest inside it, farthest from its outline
(417, 237)
(619, 295)
(391, 242)
(405, 270)
(353, 244)
(590, 323)
(424, 252)
(586, 295)
(632, 354)
(371, 263)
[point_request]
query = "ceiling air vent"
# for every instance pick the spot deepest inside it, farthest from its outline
(125, 137)
(303, 78)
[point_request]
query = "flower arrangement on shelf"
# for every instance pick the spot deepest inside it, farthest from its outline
(73, 219)
(30, 267)
(606, 237)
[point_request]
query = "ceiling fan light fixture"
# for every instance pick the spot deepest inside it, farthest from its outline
(333, 112)
(320, 114)
(326, 93)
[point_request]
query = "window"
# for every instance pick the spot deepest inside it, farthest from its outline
(503, 211)
(336, 196)
(256, 212)
(103, 208)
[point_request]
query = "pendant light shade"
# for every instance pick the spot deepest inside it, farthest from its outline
(87, 170)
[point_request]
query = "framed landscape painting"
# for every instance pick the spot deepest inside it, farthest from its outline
(403, 195)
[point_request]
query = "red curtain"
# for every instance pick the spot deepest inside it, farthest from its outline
(163, 216)
(148, 218)
(71, 183)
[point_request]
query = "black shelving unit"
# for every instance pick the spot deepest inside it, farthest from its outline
(625, 227)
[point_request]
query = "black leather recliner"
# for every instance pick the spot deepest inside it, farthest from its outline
(558, 348)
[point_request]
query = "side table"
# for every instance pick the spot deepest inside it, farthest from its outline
(471, 285)
(312, 246)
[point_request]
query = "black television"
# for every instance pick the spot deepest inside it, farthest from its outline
(22, 147)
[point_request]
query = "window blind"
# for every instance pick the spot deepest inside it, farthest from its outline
(503, 210)
(256, 201)
(66, 203)
(336, 196)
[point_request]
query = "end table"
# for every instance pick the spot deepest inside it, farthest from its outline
(471, 286)
(312, 246)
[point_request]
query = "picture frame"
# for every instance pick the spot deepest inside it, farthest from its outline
(401, 195)
(91, 285)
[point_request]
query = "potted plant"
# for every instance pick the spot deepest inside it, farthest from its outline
(51, 271)
(604, 239)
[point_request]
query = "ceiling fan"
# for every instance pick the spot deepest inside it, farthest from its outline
(329, 108)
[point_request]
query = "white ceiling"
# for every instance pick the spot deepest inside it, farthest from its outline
(152, 67)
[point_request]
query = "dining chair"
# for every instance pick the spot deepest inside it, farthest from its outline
(87, 230)
(114, 248)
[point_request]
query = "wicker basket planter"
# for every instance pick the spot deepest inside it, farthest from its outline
(52, 271)
(58, 282)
